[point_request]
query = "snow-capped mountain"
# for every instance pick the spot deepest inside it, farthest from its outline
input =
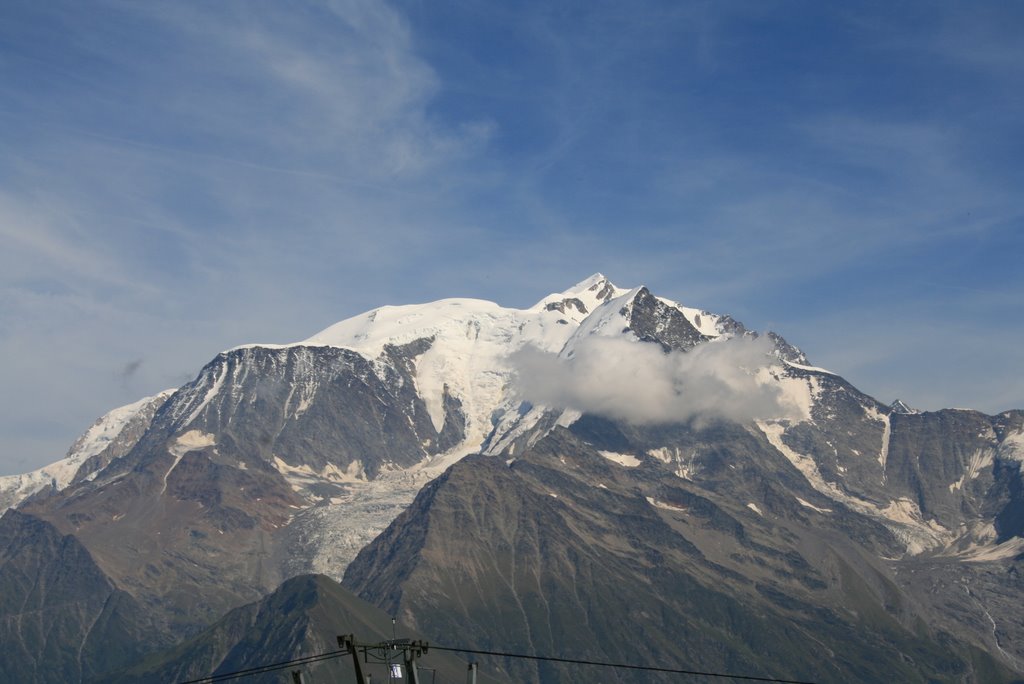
(303, 453)
(278, 460)
(434, 382)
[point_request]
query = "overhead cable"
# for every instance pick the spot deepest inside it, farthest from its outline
(502, 654)
(622, 666)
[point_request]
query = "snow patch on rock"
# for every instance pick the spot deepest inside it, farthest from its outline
(808, 504)
(627, 460)
(1012, 448)
(657, 503)
(901, 516)
(684, 465)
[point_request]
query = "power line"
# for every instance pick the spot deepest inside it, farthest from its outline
(571, 661)
(303, 660)
(623, 666)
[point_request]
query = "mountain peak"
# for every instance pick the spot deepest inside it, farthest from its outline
(900, 406)
(585, 295)
(596, 283)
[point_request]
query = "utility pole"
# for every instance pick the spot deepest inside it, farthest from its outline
(348, 641)
(297, 677)
(394, 637)
(414, 651)
(471, 676)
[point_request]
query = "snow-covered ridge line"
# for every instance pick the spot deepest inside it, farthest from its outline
(369, 332)
(812, 369)
(107, 428)
(472, 341)
(705, 322)
(59, 474)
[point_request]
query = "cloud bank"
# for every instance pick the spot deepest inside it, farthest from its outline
(639, 383)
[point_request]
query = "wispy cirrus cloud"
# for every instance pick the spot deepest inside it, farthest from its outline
(337, 87)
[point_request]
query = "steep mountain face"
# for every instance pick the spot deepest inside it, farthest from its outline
(746, 501)
(61, 618)
(570, 549)
(942, 482)
(318, 409)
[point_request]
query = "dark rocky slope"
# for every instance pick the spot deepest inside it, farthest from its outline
(560, 551)
(302, 617)
(61, 618)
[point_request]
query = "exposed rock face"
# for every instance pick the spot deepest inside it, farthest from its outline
(653, 320)
(316, 407)
(199, 506)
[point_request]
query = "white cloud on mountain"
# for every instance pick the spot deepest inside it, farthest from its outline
(639, 383)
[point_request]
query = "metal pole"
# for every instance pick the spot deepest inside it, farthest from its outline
(297, 677)
(471, 676)
(391, 646)
(349, 641)
(413, 675)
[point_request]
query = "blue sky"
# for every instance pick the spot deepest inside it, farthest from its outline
(178, 178)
